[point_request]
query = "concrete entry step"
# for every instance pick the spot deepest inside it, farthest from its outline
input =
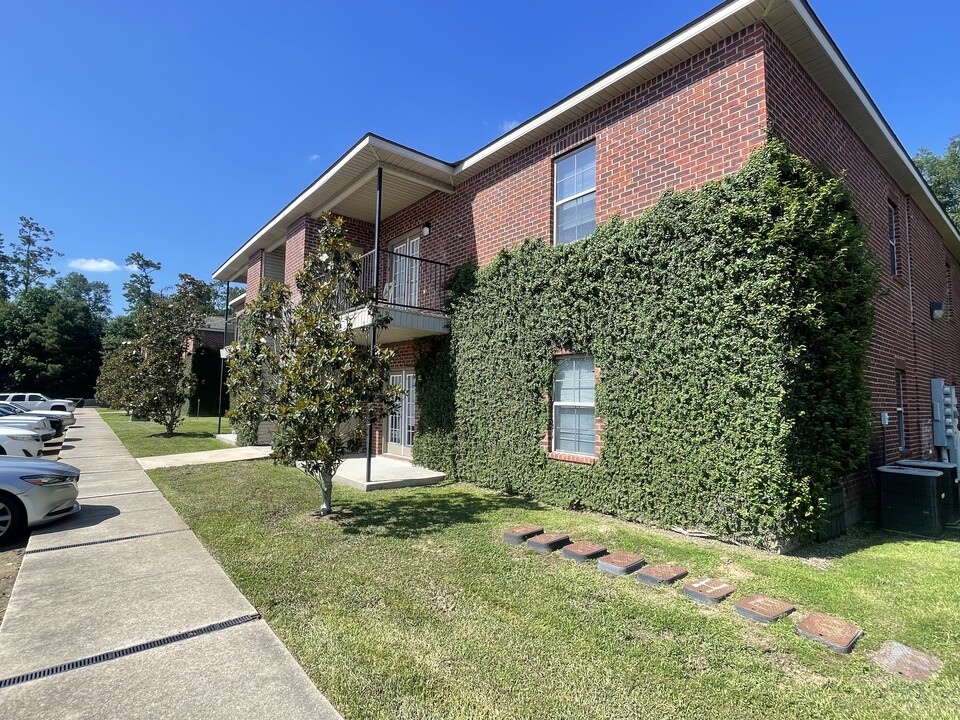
(386, 474)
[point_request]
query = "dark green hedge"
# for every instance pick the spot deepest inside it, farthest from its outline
(730, 326)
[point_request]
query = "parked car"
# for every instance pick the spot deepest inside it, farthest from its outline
(38, 401)
(64, 417)
(19, 442)
(35, 491)
(39, 425)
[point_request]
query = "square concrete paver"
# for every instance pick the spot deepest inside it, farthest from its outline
(661, 574)
(548, 542)
(709, 591)
(838, 635)
(521, 533)
(907, 663)
(620, 563)
(763, 608)
(584, 550)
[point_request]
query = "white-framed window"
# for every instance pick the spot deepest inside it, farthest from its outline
(575, 194)
(893, 234)
(901, 420)
(574, 398)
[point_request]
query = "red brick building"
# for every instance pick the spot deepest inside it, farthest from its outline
(687, 110)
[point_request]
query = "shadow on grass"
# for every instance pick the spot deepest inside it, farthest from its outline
(182, 435)
(862, 536)
(413, 515)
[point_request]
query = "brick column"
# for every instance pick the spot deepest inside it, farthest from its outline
(254, 273)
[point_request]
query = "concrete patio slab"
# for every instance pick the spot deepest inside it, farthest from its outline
(125, 586)
(386, 474)
(207, 457)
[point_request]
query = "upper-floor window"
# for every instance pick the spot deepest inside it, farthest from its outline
(574, 397)
(893, 235)
(575, 194)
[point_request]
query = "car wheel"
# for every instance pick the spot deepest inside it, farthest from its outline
(11, 518)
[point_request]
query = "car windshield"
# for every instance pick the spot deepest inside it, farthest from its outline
(17, 407)
(12, 407)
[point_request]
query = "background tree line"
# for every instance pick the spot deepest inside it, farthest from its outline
(55, 330)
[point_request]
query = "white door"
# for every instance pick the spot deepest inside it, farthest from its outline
(402, 422)
(405, 272)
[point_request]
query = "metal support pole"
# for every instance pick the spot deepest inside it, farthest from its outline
(376, 292)
(226, 313)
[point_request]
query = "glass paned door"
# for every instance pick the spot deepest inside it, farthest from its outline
(405, 272)
(402, 422)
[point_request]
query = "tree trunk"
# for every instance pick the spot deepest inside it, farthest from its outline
(326, 485)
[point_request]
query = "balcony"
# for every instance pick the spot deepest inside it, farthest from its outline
(411, 290)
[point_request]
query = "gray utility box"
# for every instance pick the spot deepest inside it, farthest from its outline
(913, 500)
(949, 471)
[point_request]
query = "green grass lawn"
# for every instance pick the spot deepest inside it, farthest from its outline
(145, 439)
(407, 604)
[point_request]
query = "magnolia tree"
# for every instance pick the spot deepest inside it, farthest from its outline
(320, 384)
(150, 376)
(253, 358)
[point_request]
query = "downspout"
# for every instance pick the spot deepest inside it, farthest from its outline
(376, 294)
(223, 360)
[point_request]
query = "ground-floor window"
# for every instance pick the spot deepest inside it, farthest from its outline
(574, 397)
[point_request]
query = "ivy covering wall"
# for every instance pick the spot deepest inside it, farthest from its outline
(730, 327)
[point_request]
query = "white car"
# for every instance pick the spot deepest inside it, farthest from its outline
(20, 442)
(33, 492)
(65, 417)
(38, 401)
(39, 425)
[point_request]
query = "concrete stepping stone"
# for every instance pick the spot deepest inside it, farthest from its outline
(907, 663)
(521, 533)
(763, 608)
(838, 635)
(584, 550)
(661, 574)
(709, 591)
(547, 542)
(620, 563)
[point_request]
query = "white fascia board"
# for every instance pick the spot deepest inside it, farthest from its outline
(828, 47)
(606, 81)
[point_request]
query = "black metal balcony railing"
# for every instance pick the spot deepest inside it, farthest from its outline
(406, 281)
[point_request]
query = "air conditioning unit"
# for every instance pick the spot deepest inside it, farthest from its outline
(951, 482)
(913, 500)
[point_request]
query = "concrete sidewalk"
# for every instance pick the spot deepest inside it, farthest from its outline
(119, 612)
(206, 457)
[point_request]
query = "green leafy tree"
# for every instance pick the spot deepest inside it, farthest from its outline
(5, 271)
(163, 381)
(117, 331)
(115, 386)
(327, 384)
(95, 294)
(28, 263)
(942, 173)
(219, 298)
(138, 290)
(253, 361)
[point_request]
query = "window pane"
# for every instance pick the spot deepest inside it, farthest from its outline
(576, 219)
(574, 381)
(574, 430)
(576, 173)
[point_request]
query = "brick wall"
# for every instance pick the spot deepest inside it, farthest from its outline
(695, 122)
(905, 338)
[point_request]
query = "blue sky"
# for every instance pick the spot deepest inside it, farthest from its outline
(177, 129)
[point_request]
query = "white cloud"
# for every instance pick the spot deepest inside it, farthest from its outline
(313, 157)
(97, 265)
(507, 125)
